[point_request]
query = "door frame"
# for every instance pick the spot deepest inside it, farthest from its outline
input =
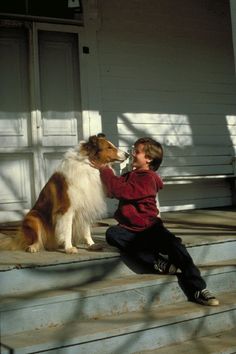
(90, 100)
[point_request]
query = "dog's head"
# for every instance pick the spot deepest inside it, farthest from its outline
(99, 148)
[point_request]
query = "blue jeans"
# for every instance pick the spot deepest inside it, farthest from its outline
(146, 245)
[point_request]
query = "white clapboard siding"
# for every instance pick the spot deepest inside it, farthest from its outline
(194, 194)
(150, 96)
(162, 118)
(206, 192)
(172, 140)
(197, 170)
(164, 105)
(167, 71)
(175, 129)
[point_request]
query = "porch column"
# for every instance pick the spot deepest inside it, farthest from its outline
(233, 21)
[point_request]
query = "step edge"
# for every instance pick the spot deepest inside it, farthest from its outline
(110, 254)
(181, 345)
(8, 302)
(195, 312)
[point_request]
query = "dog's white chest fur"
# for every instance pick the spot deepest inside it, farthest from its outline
(85, 189)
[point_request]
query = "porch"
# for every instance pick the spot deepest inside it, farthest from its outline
(96, 302)
(195, 227)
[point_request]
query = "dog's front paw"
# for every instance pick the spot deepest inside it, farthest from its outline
(71, 250)
(95, 247)
(32, 249)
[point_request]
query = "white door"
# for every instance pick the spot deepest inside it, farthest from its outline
(40, 109)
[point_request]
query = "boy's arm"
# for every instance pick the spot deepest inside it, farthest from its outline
(143, 186)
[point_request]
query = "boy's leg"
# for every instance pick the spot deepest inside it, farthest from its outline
(119, 237)
(167, 243)
(130, 242)
(142, 245)
(190, 278)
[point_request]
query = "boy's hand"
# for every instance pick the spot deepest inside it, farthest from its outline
(97, 164)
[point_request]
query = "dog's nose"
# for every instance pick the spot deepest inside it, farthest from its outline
(126, 155)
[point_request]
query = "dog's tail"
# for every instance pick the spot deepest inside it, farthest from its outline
(34, 235)
(28, 237)
(11, 244)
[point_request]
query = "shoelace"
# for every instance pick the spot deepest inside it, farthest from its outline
(162, 265)
(206, 294)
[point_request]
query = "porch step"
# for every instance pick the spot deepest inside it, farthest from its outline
(154, 327)
(219, 343)
(104, 297)
(50, 270)
(98, 302)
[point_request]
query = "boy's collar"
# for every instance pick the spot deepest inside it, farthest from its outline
(141, 170)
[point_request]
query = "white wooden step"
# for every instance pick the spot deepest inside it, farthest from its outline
(219, 343)
(129, 332)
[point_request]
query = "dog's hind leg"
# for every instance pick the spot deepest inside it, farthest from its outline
(63, 231)
(31, 234)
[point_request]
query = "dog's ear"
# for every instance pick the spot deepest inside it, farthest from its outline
(101, 135)
(92, 146)
(93, 140)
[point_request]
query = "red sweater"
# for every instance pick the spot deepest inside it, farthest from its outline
(136, 191)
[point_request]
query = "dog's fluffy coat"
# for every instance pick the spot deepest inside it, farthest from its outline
(71, 200)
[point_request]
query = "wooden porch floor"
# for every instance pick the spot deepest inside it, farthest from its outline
(198, 226)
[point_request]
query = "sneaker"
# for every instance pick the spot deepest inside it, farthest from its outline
(204, 297)
(163, 266)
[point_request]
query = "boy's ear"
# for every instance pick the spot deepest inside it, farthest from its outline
(148, 159)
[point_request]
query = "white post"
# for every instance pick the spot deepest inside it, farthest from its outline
(233, 21)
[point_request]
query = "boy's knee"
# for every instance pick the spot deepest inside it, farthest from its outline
(110, 233)
(108, 238)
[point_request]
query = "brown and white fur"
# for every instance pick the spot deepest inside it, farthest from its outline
(69, 203)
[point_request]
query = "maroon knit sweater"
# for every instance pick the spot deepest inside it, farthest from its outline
(136, 191)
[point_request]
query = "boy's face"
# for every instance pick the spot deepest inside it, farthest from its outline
(139, 160)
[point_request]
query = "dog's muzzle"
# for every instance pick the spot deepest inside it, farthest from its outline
(123, 155)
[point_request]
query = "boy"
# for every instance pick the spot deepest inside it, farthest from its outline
(140, 230)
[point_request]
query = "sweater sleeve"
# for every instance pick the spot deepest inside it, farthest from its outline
(142, 186)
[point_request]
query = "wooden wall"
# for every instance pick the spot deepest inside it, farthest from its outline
(167, 71)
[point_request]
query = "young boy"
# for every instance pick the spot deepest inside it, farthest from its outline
(140, 230)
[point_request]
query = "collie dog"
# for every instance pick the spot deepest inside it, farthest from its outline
(69, 203)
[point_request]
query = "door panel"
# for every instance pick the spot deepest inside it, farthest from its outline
(51, 162)
(59, 88)
(15, 182)
(14, 88)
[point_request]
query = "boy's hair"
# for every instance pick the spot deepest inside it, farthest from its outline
(153, 150)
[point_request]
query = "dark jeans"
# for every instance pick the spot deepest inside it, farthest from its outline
(147, 244)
